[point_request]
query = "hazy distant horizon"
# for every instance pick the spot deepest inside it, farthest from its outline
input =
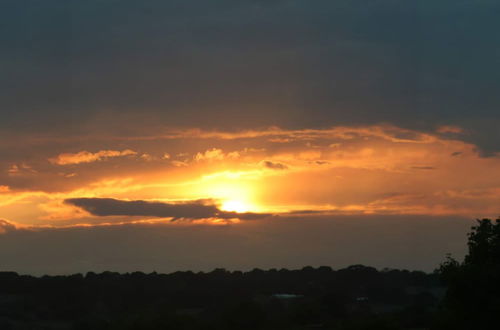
(412, 243)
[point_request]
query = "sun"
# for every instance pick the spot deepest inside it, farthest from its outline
(231, 191)
(235, 206)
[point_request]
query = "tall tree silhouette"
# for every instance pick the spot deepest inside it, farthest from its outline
(473, 297)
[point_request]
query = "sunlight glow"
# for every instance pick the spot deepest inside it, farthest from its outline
(235, 206)
(235, 192)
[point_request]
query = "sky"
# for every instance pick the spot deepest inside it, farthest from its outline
(189, 135)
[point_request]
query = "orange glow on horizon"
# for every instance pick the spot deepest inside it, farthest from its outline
(368, 170)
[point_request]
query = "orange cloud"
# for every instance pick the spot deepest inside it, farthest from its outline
(278, 135)
(7, 226)
(89, 157)
(215, 154)
(377, 169)
(21, 169)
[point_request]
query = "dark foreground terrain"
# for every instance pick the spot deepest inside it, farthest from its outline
(357, 297)
(459, 295)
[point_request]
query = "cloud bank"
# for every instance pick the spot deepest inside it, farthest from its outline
(200, 209)
(408, 242)
(295, 63)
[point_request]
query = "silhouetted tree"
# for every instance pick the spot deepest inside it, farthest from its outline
(473, 297)
(357, 297)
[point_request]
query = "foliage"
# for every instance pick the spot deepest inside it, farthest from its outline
(357, 297)
(354, 298)
(473, 296)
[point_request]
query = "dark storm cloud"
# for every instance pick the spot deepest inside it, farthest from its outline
(71, 66)
(198, 209)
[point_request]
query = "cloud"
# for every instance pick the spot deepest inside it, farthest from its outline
(450, 129)
(215, 154)
(115, 207)
(273, 165)
(178, 163)
(245, 215)
(7, 226)
(366, 163)
(324, 56)
(423, 167)
(21, 169)
(147, 157)
(197, 209)
(89, 157)
(383, 131)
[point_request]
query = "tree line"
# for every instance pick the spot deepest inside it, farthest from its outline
(458, 295)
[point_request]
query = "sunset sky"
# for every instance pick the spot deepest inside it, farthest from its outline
(194, 134)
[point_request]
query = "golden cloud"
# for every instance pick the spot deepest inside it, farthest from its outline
(88, 157)
(215, 154)
(377, 169)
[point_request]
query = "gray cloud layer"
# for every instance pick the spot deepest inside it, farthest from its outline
(409, 242)
(200, 209)
(71, 66)
(114, 207)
